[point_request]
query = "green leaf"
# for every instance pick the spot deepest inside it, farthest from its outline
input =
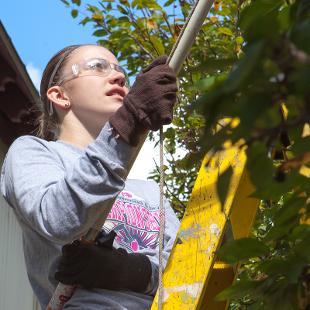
(258, 162)
(122, 10)
(124, 2)
(238, 290)
(290, 268)
(246, 67)
(85, 20)
(170, 133)
(124, 19)
(273, 267)
(99, 33)
(301, 145)
(239, 40)
(256, 10)
(153, 5)
(65, 2)
(206, 83)
(301, 232)
(158, 45)
(169, 2)
(300, 35)
(285, 218)
(77, 2)
(223, 183)
(137, 3)
(264, 13)
(284, 18)
(225, 30)
(214, 65)
(241, 249)
(74, 13)
(302, 246)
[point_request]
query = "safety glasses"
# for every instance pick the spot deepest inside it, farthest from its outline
(94, 66)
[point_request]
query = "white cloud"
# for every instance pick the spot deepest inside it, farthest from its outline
(149, 153)
(144, 163)
(35, 75)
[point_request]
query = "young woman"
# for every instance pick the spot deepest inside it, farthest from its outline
(60, 182)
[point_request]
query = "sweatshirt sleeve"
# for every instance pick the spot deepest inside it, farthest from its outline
(62, 204)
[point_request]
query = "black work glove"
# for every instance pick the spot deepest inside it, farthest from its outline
(149, 103)
(102, 266)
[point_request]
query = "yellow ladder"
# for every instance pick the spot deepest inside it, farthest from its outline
(193, 276)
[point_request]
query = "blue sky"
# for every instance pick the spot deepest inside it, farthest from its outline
(40, 28)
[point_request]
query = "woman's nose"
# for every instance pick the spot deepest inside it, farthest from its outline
(117, 77)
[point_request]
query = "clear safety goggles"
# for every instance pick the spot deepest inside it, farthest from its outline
(94, 66)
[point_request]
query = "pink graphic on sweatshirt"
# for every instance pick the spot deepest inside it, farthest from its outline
(136, 226)
(134, 245)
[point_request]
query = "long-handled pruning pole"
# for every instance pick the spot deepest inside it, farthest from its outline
(175, 60)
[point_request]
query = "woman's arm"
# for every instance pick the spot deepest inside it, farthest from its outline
(63, 204)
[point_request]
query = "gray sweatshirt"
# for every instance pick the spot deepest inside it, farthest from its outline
(58, 191)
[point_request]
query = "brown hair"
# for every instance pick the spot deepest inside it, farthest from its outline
(48, 125)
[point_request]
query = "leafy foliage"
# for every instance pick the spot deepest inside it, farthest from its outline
(273, 75)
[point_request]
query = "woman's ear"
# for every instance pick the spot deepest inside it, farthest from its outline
(58, 97)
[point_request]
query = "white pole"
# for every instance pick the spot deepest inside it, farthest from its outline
(188, 34)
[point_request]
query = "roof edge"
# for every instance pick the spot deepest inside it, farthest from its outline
(20, 66)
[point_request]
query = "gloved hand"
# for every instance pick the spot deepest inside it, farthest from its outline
(102, 266)
(149, 103)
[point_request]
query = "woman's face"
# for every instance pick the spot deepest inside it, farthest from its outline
(94, 97)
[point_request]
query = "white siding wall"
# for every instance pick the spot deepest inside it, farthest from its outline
(15, 291)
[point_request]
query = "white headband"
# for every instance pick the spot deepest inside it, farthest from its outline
(60, 61)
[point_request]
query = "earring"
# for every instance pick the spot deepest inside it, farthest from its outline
(67, 105)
